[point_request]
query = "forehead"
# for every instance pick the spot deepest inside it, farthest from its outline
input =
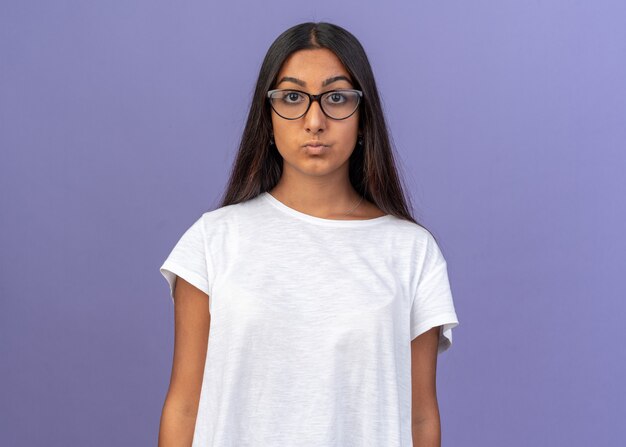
(313, 67)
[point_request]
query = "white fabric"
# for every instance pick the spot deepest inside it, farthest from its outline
(311, 323)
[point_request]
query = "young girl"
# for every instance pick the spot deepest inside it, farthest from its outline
(310, 307)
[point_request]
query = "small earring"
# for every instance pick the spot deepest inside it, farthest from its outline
(360, 141)
(272, 140)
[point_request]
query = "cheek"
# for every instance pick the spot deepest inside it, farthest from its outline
(275, 124)
(349, 133)
(280, 128)
(286, 136)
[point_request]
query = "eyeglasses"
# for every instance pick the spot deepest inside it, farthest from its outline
(336, 104)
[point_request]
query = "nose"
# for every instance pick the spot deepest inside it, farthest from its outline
(315, 120)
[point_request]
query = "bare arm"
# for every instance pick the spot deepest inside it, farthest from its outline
(192, 322)
(426, 426)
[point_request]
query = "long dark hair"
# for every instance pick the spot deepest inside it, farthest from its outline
(372, 169)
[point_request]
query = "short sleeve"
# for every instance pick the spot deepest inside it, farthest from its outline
(433, 304)
(188, 260)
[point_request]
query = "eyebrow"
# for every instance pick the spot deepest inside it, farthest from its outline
(324, 84)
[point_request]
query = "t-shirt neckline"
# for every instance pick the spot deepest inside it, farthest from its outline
(320, 220)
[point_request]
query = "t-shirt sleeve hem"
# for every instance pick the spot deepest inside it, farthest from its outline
(448, 320)
(171, 270)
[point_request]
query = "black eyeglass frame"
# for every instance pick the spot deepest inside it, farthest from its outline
(315, 98)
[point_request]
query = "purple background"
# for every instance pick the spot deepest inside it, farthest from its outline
(119, 121)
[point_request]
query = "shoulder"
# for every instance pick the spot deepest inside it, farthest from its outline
(410, 232)
(414, 241)
(227, 219)
(225, 215)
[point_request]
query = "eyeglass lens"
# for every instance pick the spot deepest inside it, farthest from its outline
(292, 104)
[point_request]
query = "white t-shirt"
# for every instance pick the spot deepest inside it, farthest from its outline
(311, 324)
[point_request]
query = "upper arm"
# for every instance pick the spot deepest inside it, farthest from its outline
(424, 375)
(192, 323)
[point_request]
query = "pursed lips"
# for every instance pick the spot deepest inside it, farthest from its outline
(314, 144)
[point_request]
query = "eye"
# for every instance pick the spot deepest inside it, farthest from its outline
(336, 98)
(292, 97)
